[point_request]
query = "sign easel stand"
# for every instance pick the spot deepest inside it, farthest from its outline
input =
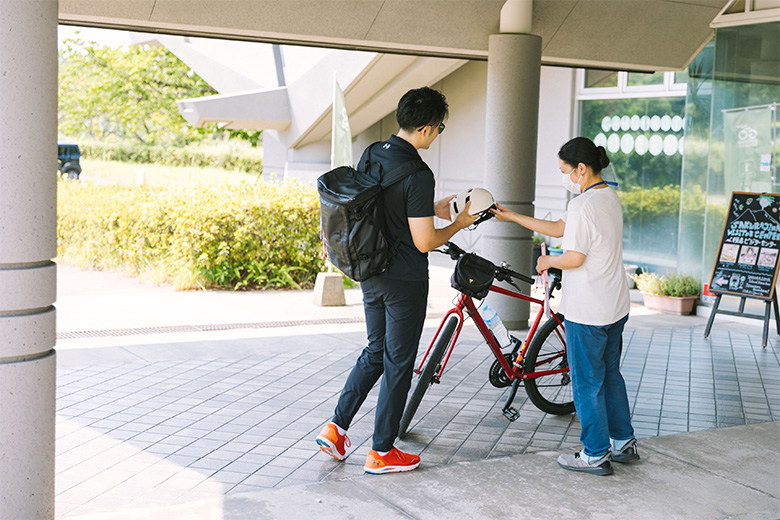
(741, 312)
(747, 262)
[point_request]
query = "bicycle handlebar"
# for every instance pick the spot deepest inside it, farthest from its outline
(504, 273)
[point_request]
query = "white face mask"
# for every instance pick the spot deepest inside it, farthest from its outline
(569, 185)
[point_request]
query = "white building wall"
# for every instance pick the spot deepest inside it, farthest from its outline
(557, 124)
(457, 157)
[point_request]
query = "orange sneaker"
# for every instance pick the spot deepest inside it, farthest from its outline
(332, 443)
(393, 462)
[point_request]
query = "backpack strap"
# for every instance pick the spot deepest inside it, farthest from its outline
(397, 175)
(402, 172)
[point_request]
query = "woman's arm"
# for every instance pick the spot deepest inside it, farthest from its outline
(545, 227)
(568, 260)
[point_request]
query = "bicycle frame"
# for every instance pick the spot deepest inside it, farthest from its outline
(512, 371)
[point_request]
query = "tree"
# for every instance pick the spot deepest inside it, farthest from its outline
(131, 93)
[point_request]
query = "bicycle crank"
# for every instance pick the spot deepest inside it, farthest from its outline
(497, 375)
(509, 412)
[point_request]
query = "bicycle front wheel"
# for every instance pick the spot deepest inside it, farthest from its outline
(547, 351)
(432, 366)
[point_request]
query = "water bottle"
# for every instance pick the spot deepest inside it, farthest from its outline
(494, 323)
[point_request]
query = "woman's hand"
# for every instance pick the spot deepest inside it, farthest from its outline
(504, 214)
(568, 260)
(543, 264)
(441, 208)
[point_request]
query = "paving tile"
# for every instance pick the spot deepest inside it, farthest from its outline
(245, 424)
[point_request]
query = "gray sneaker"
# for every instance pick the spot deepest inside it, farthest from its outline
(629, 452)
(576, 462)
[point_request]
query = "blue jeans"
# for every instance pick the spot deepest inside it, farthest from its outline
(599, 390)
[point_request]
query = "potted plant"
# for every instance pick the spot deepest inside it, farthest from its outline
(672, 293)
(555, 249)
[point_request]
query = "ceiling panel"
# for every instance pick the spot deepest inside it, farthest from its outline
(630, 34)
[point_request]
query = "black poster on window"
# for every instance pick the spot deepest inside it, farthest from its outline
(747, 259)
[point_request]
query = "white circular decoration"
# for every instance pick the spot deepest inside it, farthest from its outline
(670, 145)
(666, 123)
(600, 140)
(613, 143)
(606, 123)
(634, 123)
(644, 123)
(656, 145)
(627, 143)
(625, 123)
(641, 145)
(615, 123)
(655, 123)
(680, 144)
(677, 123)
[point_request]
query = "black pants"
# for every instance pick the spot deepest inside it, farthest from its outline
(395, 314)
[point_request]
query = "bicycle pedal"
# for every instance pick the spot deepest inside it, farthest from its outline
(511, 414)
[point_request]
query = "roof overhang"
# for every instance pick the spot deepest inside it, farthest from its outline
(268, 109)
(649, 35)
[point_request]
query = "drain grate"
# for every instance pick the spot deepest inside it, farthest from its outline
(200, 328)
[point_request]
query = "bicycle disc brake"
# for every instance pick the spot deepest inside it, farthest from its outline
(497, 376)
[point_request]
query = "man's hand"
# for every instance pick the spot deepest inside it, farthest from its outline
(441, 208)
(464, 218)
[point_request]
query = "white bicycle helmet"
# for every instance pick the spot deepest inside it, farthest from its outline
(481, 203)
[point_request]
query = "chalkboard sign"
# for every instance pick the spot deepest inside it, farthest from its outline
(747, 260)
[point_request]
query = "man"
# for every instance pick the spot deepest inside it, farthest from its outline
(394, 302)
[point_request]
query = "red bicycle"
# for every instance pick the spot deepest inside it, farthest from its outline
(539, 362)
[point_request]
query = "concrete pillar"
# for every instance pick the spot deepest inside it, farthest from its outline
(28, 242)
(512, 112)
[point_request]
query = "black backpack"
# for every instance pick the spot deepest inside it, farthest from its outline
(352, 217)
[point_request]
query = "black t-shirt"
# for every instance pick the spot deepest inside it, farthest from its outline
(411, 197)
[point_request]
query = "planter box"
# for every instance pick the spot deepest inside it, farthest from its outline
(670, 304)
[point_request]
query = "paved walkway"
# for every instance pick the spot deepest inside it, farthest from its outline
(205, 405)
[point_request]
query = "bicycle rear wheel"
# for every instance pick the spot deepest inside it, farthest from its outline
(551, 393)
(425, 380)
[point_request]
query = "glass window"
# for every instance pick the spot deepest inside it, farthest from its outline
(698, 105)
(644, 141)
(641, 79)
(681, 77)
(746, 76)
(595, 78)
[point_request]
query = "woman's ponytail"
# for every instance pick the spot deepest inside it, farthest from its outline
(583, 150)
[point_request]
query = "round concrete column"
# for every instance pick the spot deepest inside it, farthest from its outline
(28, 242)
(514, 67)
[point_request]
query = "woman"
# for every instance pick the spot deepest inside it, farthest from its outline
(595, 304)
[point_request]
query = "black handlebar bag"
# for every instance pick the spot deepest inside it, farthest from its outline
(473, 276)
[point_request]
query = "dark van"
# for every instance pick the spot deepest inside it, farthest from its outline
(68, 155)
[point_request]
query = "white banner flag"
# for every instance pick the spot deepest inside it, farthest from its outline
(341, 141)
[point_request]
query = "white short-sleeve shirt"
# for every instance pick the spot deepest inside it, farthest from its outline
(596, 293)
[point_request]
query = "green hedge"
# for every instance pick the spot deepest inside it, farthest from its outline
(263, 235)
(659, 202)
(227, 156)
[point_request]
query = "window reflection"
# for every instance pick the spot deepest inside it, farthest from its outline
(644, 138)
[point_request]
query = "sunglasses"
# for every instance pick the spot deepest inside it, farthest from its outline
(441, 128)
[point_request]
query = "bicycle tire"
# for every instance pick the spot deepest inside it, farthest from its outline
(426, 376)
(553, 393)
